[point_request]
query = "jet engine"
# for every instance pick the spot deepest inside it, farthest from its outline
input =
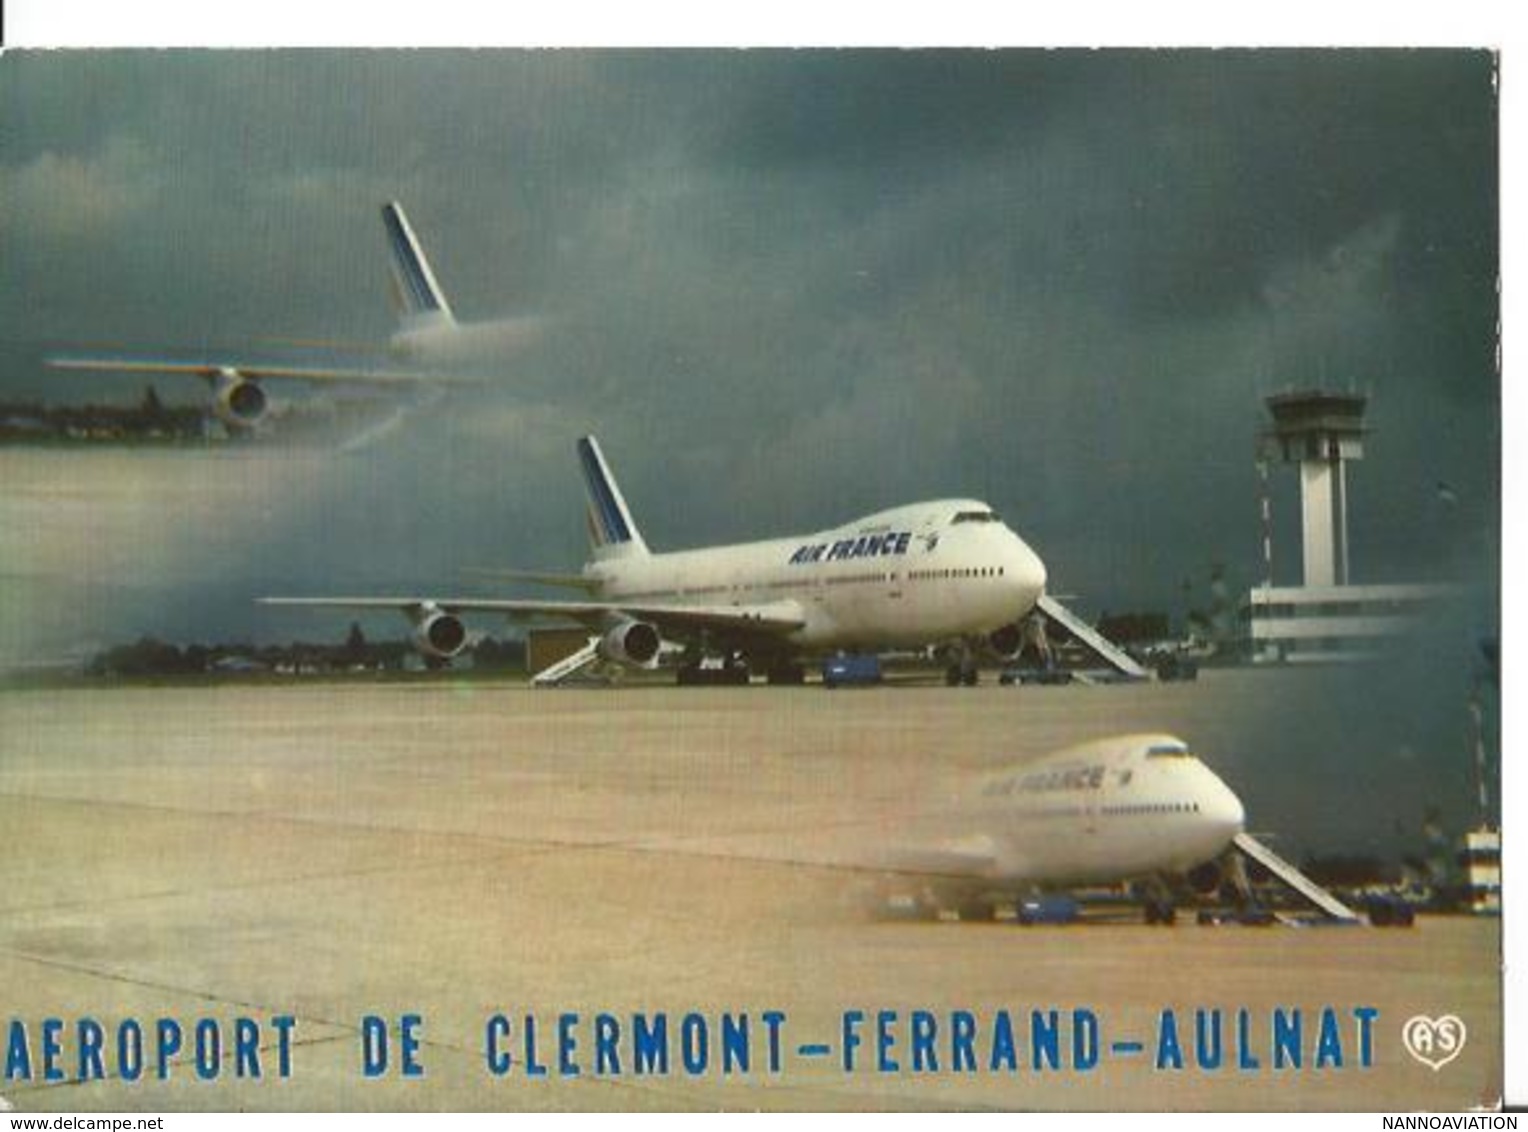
(1205, 879)
(437, 634)
(632, 642)
(239, 403)
(1006, 643)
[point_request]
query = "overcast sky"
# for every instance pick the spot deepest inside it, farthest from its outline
(787, 287)
(784, 288)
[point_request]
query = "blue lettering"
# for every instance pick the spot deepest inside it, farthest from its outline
(650, 1044)
(925, 1060)
(1045, 1038)
(18, 1058)
(1084, 1040)
(496, 1030)
(1002, 1043)
(373, 1046)
(734, 1043)
(92, 1038)
(1366, 1016)
(1329, 1044)
(884, 1040)
(694, 1044)
(52, 1049)
(533, 1068)
(567, 1045)
(1245, 1060)
(129, 1050)
(902, 540)
(1208, 1051)
(284, 1024)
(246, 1048)
(1286, 1038)
(851, 1038)
(773, 1020)
(607, 1037)
(169, 1034)
(408, 1045)
(209, 1049)
(962, 1042)
(1169, 1052)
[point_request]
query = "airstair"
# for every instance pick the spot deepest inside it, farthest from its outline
(1112, 655)
(1255, 850)
(569, 666)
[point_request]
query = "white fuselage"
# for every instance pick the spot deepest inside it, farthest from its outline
(905, 577)
(1119, 808)
(433, 340)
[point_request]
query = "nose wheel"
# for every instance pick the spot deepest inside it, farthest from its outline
(1157, 903)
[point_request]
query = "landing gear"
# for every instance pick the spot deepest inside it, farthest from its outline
(1158, 903)
(963, 673)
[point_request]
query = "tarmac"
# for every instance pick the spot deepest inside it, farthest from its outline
(306, 856)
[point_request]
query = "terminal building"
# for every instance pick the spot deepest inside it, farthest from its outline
(1326, 618)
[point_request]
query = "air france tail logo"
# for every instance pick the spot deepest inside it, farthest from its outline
(414, 284)
(865, 546)
(607, 519)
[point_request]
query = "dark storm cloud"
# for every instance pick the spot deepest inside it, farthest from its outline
(785, 287)
(1060, 279)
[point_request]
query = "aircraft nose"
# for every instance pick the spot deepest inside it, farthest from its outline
(1221, 809)
(1025, 573)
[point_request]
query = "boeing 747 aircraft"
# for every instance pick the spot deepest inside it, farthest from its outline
(947, 573)
(427, 334)
(1126, 808)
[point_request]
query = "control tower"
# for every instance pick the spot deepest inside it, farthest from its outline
(1320, 432)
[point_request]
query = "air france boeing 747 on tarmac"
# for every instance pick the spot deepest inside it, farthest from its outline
(427, 334)
(947, 573)
(1126, 808)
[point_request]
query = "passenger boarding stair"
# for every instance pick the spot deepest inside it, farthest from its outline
(569, 666)
(1112, 654)
(1255, 850)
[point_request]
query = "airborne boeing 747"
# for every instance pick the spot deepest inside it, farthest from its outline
(427, 334)
(948, 573)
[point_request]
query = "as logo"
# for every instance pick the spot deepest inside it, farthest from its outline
(1434, 1041)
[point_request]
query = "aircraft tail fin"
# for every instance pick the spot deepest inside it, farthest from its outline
(612, 532)
(417, 295)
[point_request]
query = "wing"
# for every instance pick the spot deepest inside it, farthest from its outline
(538, 577)
(967, 857)
(212, 370)
(772, 619)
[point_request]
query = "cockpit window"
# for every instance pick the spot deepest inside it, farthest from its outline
(974, 517)
(1168, 751)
